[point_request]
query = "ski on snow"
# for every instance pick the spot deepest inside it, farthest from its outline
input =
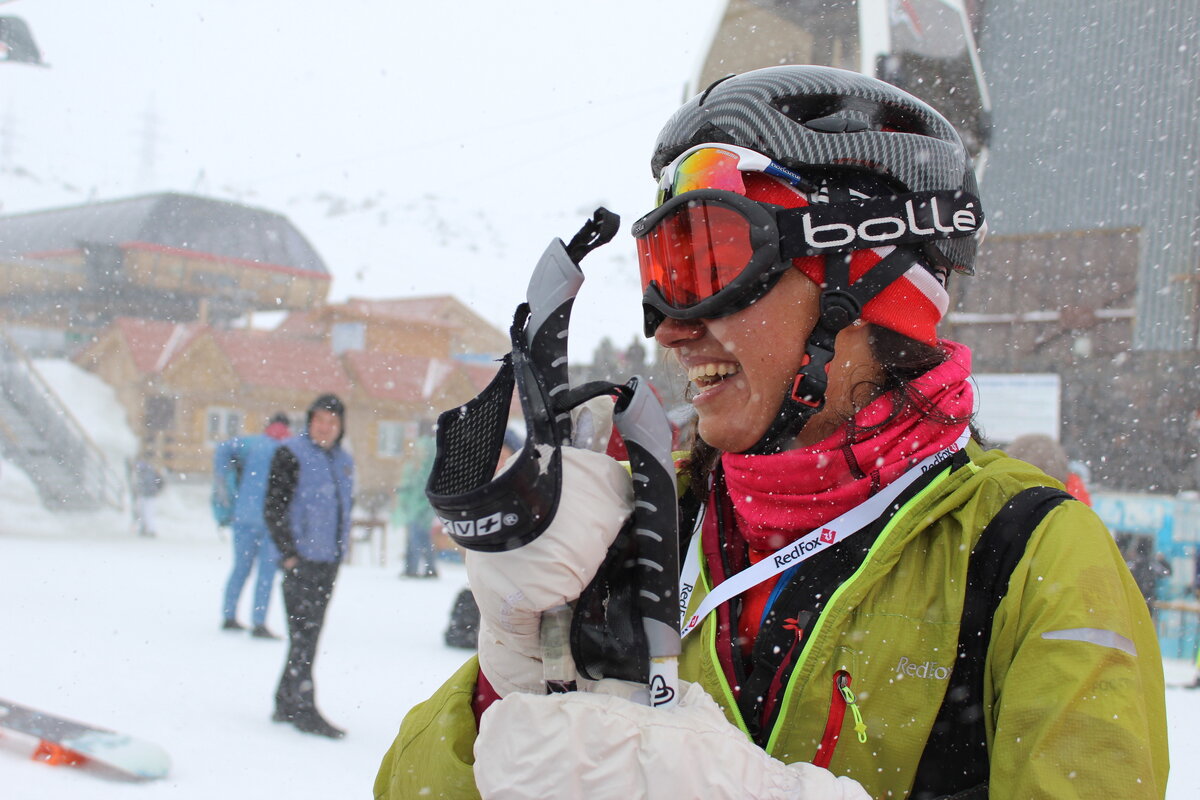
(65, 741)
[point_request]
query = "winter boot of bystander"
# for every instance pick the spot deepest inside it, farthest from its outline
(263, 632)
(311, 721)
(287, 707)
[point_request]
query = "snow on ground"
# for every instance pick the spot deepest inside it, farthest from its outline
(104, 627)
(123, 632)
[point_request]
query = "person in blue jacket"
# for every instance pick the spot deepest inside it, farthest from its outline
(240, 469)
(309, 497)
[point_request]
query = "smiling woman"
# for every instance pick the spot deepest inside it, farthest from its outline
(855, 547)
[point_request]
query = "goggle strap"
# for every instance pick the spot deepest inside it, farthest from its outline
(841, 304)
(806, 398)
(889, 270)
(566, 401)
(911, 218)
(597, 231)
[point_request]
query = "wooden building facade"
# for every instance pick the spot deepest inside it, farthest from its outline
(186, 387)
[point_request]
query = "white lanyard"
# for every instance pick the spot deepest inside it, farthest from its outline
(805, 547)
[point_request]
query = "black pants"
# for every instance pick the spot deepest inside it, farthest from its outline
(306, 592)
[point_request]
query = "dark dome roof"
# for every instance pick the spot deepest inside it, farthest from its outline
(187, 222)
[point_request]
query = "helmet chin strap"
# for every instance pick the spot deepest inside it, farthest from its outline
(842, 303)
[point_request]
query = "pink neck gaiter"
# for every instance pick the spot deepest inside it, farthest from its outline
(779, 498)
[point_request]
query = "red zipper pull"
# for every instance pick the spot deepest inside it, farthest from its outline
(842, 697)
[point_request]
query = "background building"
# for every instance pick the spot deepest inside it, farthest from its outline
(1090, 270)
(1087, 137)
(156, 294)
(66, 273)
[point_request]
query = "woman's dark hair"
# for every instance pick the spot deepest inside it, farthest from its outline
(901, 360)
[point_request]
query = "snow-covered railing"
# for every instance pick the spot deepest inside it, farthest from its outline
(40, 435)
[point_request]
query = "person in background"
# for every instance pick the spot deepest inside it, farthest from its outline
(1043, 452)
(147, 484)
(240, 469)
(1195, 590)
(414, 512)
(1148, 567)
(309, 498)
(1077, 481)
(1048, 455)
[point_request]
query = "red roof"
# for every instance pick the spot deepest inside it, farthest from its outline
(266, 358)
(258, 358)
(390, 376)
(152, 343)
(424, 309)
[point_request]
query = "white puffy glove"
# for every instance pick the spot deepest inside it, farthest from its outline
(513, 588)
(600, 747)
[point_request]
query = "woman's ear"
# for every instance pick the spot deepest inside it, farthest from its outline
(854, 369)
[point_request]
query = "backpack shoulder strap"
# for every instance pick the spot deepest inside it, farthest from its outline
(955, 761)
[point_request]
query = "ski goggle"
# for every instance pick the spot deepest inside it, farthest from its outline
(709, 251)
(713, 252)
(720, 166)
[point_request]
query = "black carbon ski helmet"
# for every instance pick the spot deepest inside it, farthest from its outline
(839, 127)
(827, 117)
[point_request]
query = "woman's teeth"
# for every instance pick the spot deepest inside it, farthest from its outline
(704, 375)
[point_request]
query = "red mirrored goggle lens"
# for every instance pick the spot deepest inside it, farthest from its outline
(694, 252)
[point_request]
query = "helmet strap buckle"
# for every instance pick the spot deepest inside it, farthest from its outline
(812, 379)
(839, 309)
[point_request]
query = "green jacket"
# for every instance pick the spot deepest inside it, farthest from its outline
(1065, 717)
(412, 506)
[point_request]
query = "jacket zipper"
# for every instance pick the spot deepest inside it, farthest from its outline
(842, 697)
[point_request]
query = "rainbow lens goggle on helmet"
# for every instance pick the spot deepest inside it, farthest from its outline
(720, 166)
(709, 251)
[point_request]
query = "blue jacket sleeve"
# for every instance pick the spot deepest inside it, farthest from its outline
(225, 481)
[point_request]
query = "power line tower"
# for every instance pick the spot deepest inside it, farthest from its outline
(8, 140)
(148, 156)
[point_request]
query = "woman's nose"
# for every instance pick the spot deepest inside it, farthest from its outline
(676, 332)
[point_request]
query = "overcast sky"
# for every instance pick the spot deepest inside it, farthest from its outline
(422, 147)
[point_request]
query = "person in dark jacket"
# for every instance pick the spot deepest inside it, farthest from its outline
(147, 484)
(307, 510)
